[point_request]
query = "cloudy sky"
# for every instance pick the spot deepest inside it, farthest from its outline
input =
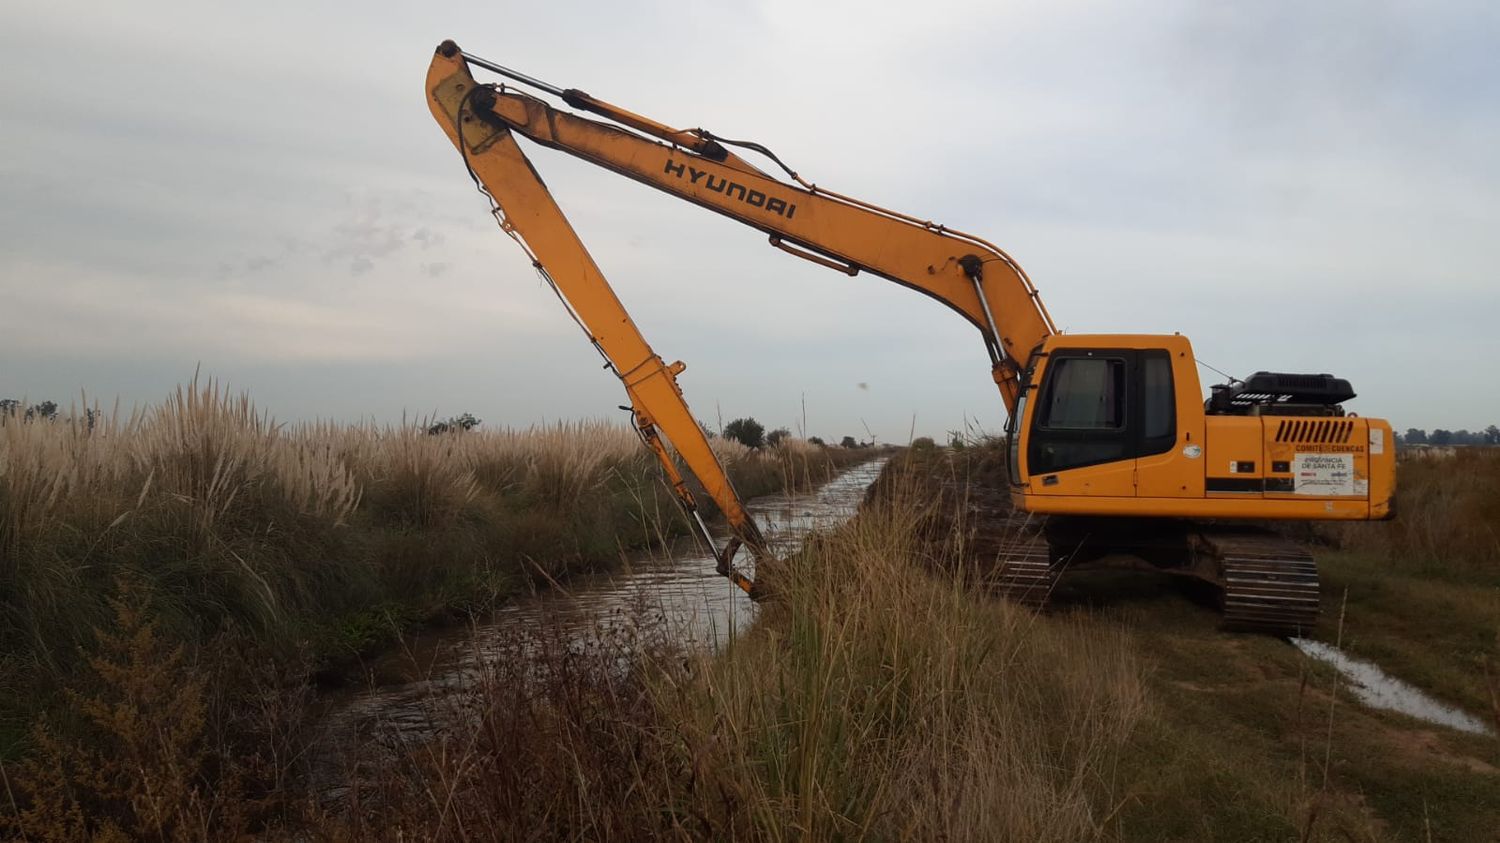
(261, 191)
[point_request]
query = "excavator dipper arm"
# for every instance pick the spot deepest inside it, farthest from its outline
(969, 275)
(527, 211)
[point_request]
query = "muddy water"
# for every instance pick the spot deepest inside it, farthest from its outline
(682, 589)
(677, 592)
(1373, 687)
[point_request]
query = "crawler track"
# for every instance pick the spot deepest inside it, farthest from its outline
(1024, 572)
(1011, 546)
(1270, 584)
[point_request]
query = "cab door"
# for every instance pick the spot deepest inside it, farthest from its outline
(1081, 440)
(1170, 460)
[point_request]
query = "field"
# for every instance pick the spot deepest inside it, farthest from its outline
(313, 543)
(882, 696)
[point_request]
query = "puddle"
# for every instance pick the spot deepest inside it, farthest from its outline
(1373, 687)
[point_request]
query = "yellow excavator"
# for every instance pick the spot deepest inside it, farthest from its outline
(1110, 438)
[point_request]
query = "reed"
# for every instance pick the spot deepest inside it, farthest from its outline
(313, 532)
(875, 698)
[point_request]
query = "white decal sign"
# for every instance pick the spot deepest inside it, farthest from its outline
(1323, 474)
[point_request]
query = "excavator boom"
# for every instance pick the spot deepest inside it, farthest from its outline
(969, 275)
(973, 277)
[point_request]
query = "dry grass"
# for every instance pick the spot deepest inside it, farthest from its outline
(881, 697)
(879, 700)
(873, 700)
(321, 536)
(1422, 589)
(211, 501)
(1447, 518)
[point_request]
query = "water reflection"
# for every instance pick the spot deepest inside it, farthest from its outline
(682, 590)
(677, 594)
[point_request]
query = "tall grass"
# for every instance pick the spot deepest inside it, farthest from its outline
(313, 534)
(885, 697)
(882, 696)
(875, 699)
(1447, 517)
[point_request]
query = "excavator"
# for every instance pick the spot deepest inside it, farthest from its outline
(1111, 446)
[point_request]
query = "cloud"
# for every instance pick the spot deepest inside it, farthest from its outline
(361, 233)
(65, 313)
(428, 238)
(362, 237)
(1233, 172)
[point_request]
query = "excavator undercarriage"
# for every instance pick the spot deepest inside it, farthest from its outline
(1266, 582)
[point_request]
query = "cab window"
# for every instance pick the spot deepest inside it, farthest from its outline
(1087, 393)
(1081, 414)
(1158, 401)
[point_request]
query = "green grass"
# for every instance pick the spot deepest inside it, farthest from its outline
(1236, 743)
(1438, 633)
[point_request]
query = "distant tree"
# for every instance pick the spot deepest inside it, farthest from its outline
(1416, 436)
(47, 410)
(848, 442)
(1441, 437)
(1464, 437)
(747, 432)
(10, 407)
(777, 435)
(923, 443)
(708, 432)
(1492, 435)
(456, 424)
(816, 440)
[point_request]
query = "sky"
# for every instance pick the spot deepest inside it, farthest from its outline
(259, 193)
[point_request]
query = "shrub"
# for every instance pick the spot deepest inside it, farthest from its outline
(747, 432)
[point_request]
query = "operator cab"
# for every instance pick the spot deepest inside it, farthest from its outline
(1096, 400)
(1116, 425)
